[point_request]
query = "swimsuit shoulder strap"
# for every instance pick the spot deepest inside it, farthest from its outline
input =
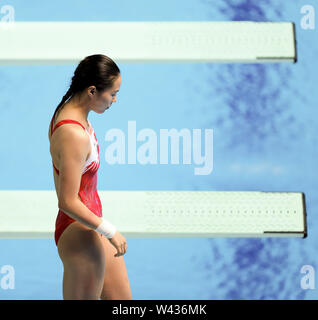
(63, 122)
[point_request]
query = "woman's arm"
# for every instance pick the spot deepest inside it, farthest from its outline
(73, 149)
(74, 146)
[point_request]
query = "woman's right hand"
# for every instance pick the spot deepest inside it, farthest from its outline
(119, 242)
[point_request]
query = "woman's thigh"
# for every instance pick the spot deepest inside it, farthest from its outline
(116, 283)
(82, 253)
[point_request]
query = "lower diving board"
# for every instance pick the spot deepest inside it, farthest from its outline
(165, 214)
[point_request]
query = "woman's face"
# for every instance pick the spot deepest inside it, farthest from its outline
(105, 98)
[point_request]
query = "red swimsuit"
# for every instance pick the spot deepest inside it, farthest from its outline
(87, 192)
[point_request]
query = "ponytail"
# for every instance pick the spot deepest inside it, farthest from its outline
(67, 95)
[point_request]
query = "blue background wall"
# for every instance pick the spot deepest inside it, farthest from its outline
(265, 138)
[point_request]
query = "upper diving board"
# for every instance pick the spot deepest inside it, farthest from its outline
(45, 43)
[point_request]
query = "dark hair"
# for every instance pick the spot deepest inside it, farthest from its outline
(96, 70)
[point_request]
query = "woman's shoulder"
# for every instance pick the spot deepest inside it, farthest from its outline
(68, 136)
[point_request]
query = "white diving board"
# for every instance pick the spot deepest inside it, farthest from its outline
(36, 43)
(165, 214)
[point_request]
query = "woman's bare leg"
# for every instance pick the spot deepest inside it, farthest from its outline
(83, 255)
(116, 283)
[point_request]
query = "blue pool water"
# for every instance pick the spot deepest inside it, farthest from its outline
(265, 132)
